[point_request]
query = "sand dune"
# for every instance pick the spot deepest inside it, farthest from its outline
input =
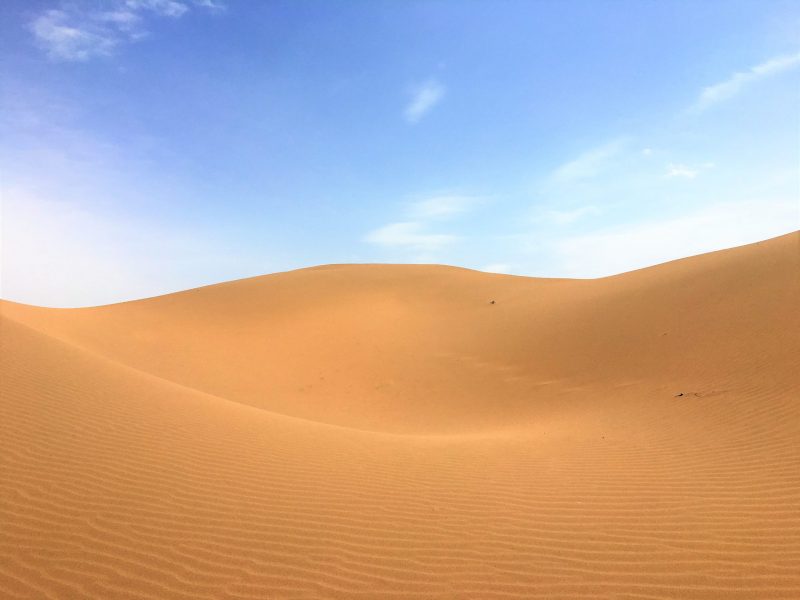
(374, 431)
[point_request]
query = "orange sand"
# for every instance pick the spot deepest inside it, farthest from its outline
(384, 431)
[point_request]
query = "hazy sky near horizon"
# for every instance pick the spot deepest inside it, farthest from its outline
(149, 146)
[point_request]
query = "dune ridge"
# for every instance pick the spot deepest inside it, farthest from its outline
(387, 431)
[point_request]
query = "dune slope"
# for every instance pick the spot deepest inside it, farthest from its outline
(387, 431)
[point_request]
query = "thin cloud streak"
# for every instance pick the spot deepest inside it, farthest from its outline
(443, 206)
(413, 235)
(424, 99)
(725, 90)
(409, 234)
(686, 171)
(675, 170)
(590, 163)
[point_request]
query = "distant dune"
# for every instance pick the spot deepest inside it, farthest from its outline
(407, 431)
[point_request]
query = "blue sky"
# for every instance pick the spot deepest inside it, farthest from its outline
(149, 146)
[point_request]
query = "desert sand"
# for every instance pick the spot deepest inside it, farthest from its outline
(387, 431)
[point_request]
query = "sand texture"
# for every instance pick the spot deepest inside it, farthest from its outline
(386, 431)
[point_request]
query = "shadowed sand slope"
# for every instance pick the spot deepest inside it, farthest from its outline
(387, 431)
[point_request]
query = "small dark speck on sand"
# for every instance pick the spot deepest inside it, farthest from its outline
(678, 395)
(491, 301)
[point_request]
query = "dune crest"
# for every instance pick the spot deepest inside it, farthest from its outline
(411, 431)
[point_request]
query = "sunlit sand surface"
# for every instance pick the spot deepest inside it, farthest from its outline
(407, 431)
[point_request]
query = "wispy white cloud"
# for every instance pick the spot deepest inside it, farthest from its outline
(411, 235)
(732, 86)
(217, 5)
(63, 38)
(590, 163)
(166, 8)
(414, 233)
(76, 31)
(443, 206)
(423, 99)
(645, 243)
(123, 18)
(678, 170)
(685, 171)
(582, 187)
